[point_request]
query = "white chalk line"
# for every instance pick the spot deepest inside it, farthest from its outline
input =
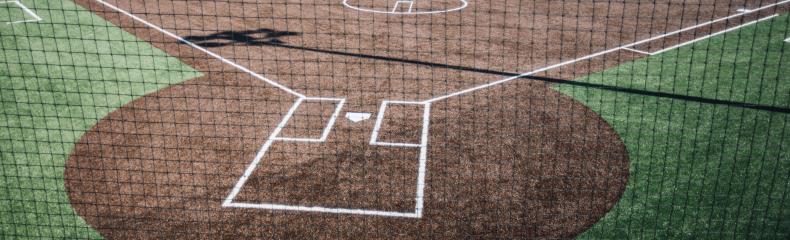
(623, 47)
(713, 35)
(637, 51)
(464, 4)
(700, 38)
(397, 3)
(27, 11)
(329, 125)
(261, 152)
(325, 210)
(210, 53)
(421, 169)
(423, 145)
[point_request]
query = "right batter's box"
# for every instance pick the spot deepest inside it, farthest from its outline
(380, 171)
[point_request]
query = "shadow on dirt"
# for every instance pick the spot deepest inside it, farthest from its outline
(270, 37)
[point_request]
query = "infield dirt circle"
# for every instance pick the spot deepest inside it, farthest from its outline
(512, 160)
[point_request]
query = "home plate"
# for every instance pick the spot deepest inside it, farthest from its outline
(357, 117)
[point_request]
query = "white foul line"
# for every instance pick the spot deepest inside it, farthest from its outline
(700, 38)
(501, 81)
(217, 56)
(637, 51)
(713, 35)
(27, 11)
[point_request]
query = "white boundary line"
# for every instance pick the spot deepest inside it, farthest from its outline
(27, 11)
(713, 35)
(743, 10)
(700, 38)
(787, 40)
(395, 8)
(464, 4)
(327, 128)
(623, 47)
(421, 170)
(210, 53)
(261, 152)
(637, 51)
(380, 118)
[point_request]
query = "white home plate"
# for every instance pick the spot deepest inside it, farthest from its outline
(357, 117)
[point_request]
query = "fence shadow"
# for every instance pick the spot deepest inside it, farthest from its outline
(270, 37)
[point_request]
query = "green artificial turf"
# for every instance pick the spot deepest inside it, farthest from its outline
(58, 77)
(702, 170)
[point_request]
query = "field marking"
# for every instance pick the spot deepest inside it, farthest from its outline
(743, 10)
(397, 3)
(327, 128)
(623, 47)
(27, 11)
(325, 210)
(274, 136)
(380, 118)
(261, 152)
(637, 51)
(787, 40)
(700, 38)
(713, 35)
(210, 53)
(464, 4)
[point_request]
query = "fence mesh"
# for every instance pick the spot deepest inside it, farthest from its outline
(208, 119)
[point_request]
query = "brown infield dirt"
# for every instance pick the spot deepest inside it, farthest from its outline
(517, 160)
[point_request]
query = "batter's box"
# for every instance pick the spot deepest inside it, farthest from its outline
(298, 169)
(312, 120)
(12, 12)
(318, 175)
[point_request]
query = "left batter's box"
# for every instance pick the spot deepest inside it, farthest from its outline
(12, 12)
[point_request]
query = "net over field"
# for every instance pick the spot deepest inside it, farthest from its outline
(395, 119)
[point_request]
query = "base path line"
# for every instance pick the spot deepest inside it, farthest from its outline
(217, 56)
(623, 47)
